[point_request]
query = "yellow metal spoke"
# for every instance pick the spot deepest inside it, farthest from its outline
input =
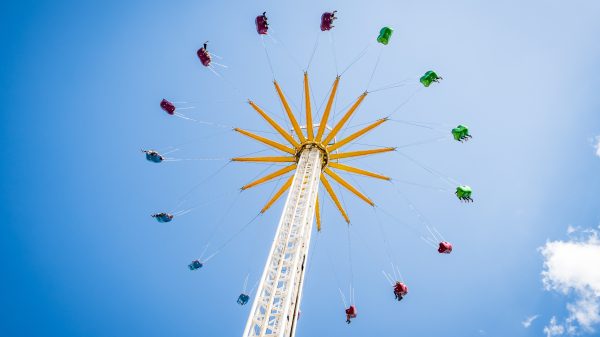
(355, 135)
(289, 113)
(277, 195)
(268, 177)
(309, 122)
(318, 214)
(349, 187)
(334, 197)
(323, 123)
(275, 159)
(352, 169)
(360, 153)
(274, 124)
(344, 119)
(267, 141)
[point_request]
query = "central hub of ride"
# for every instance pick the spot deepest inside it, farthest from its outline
(312, 145)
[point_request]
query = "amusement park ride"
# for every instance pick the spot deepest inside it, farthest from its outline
(314, 154)
(312, 159)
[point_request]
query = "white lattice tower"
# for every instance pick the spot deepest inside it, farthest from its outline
(277, 303)
(313, 155)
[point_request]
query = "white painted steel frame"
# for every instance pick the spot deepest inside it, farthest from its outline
(276, 306)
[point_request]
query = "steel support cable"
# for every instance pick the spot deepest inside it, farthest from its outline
(194, 159)
(212, 175)
(312, 253)
(318, 116)
(221, 219)
(419, 214)
(430, 126)
(187, 194)
(225, 126)
(276, 40)
(386, 244)
(422, 142)
(213, 199)
(314, 51)
(426, 141)
(349, 246)
(436, 188)
(283, 113)
(262, 40)
(253, 287)
(375, 67)
(175, 147)
(332, 266)
(332, 43)
(355, 141)
(367, 89)
(362, 240)
(218, 250)
(361, 124)
(334, 110)
(422, 219)
(231, 127)
(393, 217)
(345, 108)
(246, 283)
(366, 144)
(280, 119)
(352, 117)
(262, 131)
(335, 276)
(221, 247)
(342, 133)
(394, 179)
(255, 251)
(392, 85)
(277, 181)
(444, 125)
(261, 172)
(357, 58)
(405, 101)
(436, 173)
(350, 256)
(256, 152)
(273, 73)
(227, 81)
(388, 249)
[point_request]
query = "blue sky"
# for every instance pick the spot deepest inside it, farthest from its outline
(81, 86)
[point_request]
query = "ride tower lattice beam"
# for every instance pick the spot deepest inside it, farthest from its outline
(277, 303)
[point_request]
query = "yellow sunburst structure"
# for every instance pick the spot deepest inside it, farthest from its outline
(312, 140)
(313, 153)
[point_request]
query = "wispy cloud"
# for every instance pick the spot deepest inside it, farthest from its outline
(597, 145)
(571, 266)
(527, 322)
(553, 328)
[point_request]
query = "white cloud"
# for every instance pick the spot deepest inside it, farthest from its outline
(554, 329)
(571, 266)
(527, 322)
(597, 146)
(586, 310)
